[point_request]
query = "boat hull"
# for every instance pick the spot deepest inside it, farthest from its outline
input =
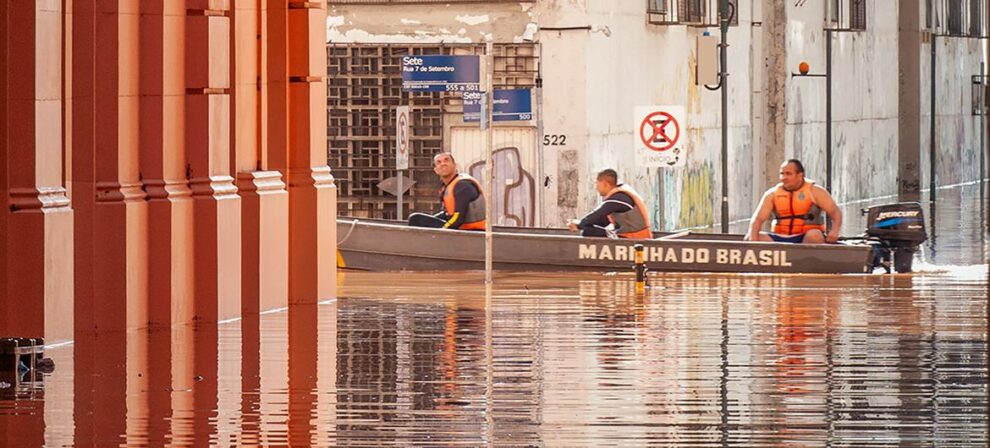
(384, 246)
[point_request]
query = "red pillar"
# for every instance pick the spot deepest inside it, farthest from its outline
(163, 162)
(111, 293)
(111, 259)
(312, 194)
(36, 219)
(216, 206)
(262, 189)
(170, 219)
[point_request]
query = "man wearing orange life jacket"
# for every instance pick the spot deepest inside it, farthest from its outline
(622, 207)
(461, 198)
(796, 205)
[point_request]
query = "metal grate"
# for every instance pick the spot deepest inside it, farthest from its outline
(977, 14)
(955, 18)
(846, 15)
(689, 12)
(857, 15)
(364, 87)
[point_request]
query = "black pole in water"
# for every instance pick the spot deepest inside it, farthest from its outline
(723, 14)
(931, 150)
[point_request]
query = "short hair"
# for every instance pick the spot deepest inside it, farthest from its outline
(797, 164)
(444, 154)
(609, 175)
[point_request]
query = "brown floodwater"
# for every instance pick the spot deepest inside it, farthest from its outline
(553, 360)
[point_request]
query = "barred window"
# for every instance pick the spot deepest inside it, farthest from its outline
(857, 14)
(955, 17)
(977, 13)
(846, 15)
(693, 11)
(689, 12)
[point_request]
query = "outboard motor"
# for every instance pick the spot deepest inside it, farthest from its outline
(898, 230)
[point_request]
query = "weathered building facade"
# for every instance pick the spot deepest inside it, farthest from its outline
(600, 59)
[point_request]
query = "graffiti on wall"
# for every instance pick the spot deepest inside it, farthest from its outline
(697, 197)
(515, 189)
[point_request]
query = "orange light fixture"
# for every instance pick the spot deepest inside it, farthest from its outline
(804, 68)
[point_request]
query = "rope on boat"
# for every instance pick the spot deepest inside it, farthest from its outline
(349, 231)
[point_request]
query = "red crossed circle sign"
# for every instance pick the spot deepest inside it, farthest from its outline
(403, 140)
(659, 131)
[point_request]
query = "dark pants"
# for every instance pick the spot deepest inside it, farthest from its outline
(425, 220)
(593, 231)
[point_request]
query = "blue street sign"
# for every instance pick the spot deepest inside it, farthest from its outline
(441, 74)
(510, 105)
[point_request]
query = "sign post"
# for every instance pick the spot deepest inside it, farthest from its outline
(401, 151)
(489, 163)
(445, 73)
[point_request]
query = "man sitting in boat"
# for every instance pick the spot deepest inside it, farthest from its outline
(796, 205)
(461, 199)
(622, 207)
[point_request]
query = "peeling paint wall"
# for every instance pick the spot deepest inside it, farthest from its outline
(957, 131)
(864, 105)
(448, 22)
(641, 64)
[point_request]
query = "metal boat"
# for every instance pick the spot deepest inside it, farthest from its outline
(893, 233)
(388, 245)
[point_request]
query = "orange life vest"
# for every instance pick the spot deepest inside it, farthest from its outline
(475, 219)
(795, 212)
(633, 223)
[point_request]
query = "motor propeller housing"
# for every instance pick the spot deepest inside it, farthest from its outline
(898, 229)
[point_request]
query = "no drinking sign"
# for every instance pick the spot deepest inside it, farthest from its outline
(659, 135)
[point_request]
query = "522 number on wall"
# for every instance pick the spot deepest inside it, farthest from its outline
(555, 140)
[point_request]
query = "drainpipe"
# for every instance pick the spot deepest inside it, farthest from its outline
(828, 110)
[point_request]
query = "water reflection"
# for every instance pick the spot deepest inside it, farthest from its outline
(551, 359)
(569, 360)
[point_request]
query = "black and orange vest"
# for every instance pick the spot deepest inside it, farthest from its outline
(634, 223)
(795, 212)
(475, 219)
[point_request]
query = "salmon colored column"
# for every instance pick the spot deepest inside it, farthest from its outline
(264, 199)
(113, 288)
(170, 210)
(312, 194)
(216, 206)
(98, 416)
(163, 162)
(83, 153)
(36, 219)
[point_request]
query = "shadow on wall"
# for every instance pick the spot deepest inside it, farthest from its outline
(697, 196)
(515, 189)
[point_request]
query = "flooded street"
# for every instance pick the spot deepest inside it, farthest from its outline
(555, 360)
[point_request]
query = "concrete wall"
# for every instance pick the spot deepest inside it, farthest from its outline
(595, 76)
(865, 103)
(957, 131)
